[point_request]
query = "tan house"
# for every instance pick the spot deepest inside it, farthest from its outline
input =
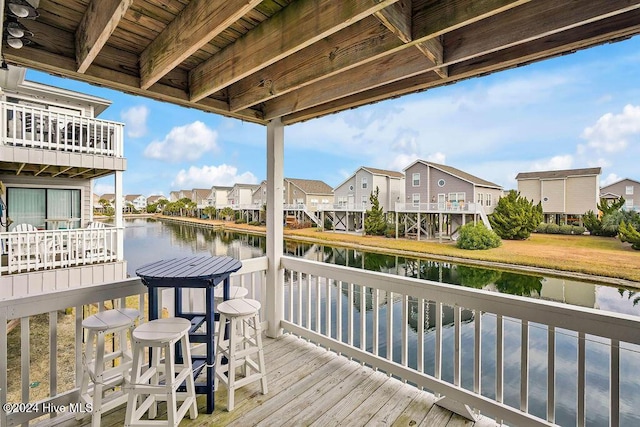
(566, 195)
(308, 192)
(627, 188)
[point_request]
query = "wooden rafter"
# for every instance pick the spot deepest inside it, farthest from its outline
(22, 165)
(283, 34)
(358, 44)
(61, 171)
(42, 169)
(397, 18)
(81, 172)
(615, 27)
(199, 22)
(514, 31)
(101, 18)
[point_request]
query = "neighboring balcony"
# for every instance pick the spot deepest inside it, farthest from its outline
(39, 128)
(41, 260)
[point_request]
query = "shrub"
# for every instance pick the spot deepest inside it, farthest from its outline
(254, 223)
(477, 236)
(578, 229)
(328, 224)
(542, 228)
(241, 221)
(515, 217)
(629, 234)
(566, 229)
(553, 229)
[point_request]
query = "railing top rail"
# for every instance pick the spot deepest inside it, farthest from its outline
(610, 325)
(44, 111)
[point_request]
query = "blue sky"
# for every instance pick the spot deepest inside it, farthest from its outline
(575, 111)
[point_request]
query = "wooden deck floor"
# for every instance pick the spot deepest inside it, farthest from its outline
(309, 386)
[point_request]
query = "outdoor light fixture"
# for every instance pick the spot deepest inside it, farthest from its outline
(16, 29)
(22, 9)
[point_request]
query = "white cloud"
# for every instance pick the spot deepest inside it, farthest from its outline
(554, 163)
(187, 142)
(208, 176)
(610, 179)
(611, 132)
(101, 188)
(135, 120)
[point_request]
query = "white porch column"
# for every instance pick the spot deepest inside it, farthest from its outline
(118, 216)
(275, 198)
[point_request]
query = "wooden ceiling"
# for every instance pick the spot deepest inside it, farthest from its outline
(300, 59)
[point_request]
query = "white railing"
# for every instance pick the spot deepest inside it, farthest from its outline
(421, 331)
(24, 251)
(439, 207)
(356, 207)
(27, 126)
(49, 375)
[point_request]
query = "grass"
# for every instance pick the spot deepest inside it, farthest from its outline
(604, 257)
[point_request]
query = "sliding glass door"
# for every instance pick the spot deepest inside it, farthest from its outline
(44, 208)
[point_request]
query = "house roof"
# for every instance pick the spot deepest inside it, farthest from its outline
(108, 196)
(202, 193)
(155, 198)
(261, 60)
(374, 171)
(458, 173)
(311, 186)
(558, 174)
(132, 197)
(618, 182)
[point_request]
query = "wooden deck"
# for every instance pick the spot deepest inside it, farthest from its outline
(313, 387)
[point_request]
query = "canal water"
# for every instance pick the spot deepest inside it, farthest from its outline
(148, 240)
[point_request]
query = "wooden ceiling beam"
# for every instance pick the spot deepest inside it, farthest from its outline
(81, 172)
(358, 44)
(505, 35)
(97, 24)
(616, 27)
(198, 23)
(397, 19)
(531, 21)
(52, 63)
(434, 50)
(42, 169)
(61, 171)
(295, 27)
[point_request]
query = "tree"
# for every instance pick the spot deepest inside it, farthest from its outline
(630, 234)
(515, 217)
(606, 225)
(226, 213)
(374, 222)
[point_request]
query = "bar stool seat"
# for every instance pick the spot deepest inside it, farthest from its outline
(235, 292)
(244, 343)
(96, 379)
(162, 379)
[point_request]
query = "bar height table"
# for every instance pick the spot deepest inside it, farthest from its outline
(204, 272)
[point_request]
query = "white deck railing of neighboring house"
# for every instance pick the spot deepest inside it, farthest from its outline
(23, 251)
(355, 207)
(21, 309)
(481, 324)
(33, 127)
(462, 207)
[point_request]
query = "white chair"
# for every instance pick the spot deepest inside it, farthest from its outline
(147, 388)
(244, 343)
(25, 248)
(92, 244)
(97, 380)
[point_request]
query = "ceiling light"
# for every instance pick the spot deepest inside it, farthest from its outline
(16, 29)
(22, 9)
(15, 43)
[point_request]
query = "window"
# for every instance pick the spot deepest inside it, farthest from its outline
(628, 204)
(456, 197)
(416, 179)
(364, 183)
(365, 200)
(415, 198)
(480, 199)
(342, 201)
(35, 205)
(488, 201)
(629, 190)
(351, 188)
(441, 183)
(314, 202)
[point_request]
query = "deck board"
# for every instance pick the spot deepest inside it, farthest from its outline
(309, 385)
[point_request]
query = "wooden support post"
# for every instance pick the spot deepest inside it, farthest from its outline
(118, 215)
(440, 228)
(275, 272)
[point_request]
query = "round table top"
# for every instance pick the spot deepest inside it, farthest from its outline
(196, 271)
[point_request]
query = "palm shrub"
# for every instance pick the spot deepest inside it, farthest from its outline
(477, 236)
(628, 233)
(515, 217)
(374, 222)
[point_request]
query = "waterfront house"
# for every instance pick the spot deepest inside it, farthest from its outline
(351, 197)
(439, 199)
(566, 195)
(136, 202)
(240, 195)
(626, 188)
(218, 196)
(155, 199)
(266, 62)
(259, 196)
(174, 196)
(52, 147)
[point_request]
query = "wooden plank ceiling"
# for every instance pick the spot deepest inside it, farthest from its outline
(300, 59)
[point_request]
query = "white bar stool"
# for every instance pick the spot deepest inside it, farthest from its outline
(245, 341)
(161, 334)
(96, 380)
(235, 292)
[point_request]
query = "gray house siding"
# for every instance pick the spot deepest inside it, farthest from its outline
(452, 184)
(422, 189)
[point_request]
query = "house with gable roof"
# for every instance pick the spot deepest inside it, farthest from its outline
(566, 195)
(626, 188)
